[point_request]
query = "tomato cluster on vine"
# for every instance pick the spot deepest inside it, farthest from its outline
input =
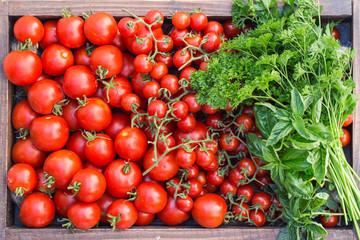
(110, 129)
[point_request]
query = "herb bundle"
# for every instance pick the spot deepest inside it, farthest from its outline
(300, 78)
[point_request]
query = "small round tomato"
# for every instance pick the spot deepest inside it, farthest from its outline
(198, 21)
(89, 164)
(227, 187)
(193, 171)
(348, 120)
(247, 165)
(229, 142)
(22, 115)
(230, 30)
(235, 176)
(128, 27)
(100, 28)
(185, 159)
(214, 120)
(49, 133)
(240, 213)
(331, 222)
(190, 100)
(246, 122)
(181, 20)
(154, 16)
(99, 149)
(167, 60)
(76, 144)
(335, 33)
(56, 59)
(22, 67)
(171, 215)
(63, 200)
(150, 198)
(82, 57)
(159, 71)
(209, 210)
(247, 191)
(84, 215)
(41, 183)
(212, 43)
(61, 166)
(195, 187)
(170, 188)
(215, 27)
(122, 214)
(49, 34)
(131, 143)
(345, 138)
(263, 199)
(68, 113)
(115, 89)
(24, 151)
(194, 40)
(104, 202)
(21, 179)
(258, 217)
(204, 158)
(181, 109)
(165, 43)
(142, 45)
(208, 109)
(94, 114)
(108, 57)
(144, 219)
(151, 89)
(184, 204)
(187, 123)
(171, 83)
(79, 81)
(181, 58)
(142, 64)
(122, 177)
(128, 66)
(128, 100)
(177, 36)
(70, 31)
(212, 177)
(118, 122)
(158, 108)
(163, 144)
(28, 27)
(37, 210)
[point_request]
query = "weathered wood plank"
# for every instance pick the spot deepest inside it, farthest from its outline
(160, 232)
(332, 8)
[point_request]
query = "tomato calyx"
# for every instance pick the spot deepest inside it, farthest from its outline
(48, 192)
(19, 191)
(75, 187)
(133, 195)
(101, 72)
(85, 15)
(113, 220)
(68, 224)
(58, 107)
(108, 85)
(22, 133)
(89, 48)
(126, 169)
(65, 13)
(26, 46)
(91, 136)
(49, 180)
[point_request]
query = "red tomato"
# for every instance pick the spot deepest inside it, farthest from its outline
(157, 108)
(214, 120)
(104, 202)
(186, 72)
(247, 191)
(171, 215)
(177, 36)
(63, 200)
(115, 89)
(28, 27)
(22, 67)
(24, 151)
(227, 187)
(131, 143)
(151, 198)
(230, 30)
(89, 164)
(37, 210)
(195, 40)
(144, 219)
(76, 144)
(193, 172)
(100, 28)
(167, 142)
(154, 16)
(68, 113)
(79, 81)
(246, 122)
(61, 166)
(95, 115)
(213, 177)
(151, 89)
(118, 122)
(142, 45)
(209, 210)
(199, 133)
(142, 64)
(212, 43)
(181, 109)
(240, 213)
(84, 215)
(21, 179)
(49, 133)
(331, 222)
(41, 183)
(181, 58)
(258, 217)
(108, 57)
(128, 66)
(235, 176)
(335, 33)
(185, 159)
(70, 31)
(263, 199)
(195, 187)
(263, 181)
(198, 21)
(229, 142)
(184, 204)
(181, 20)
(119, 42)
(247, 165)
(166, 168)
(348, 120)
(345, 138)
(165, 43)
(22, 115)
(45, 89)
(204, 158)
(190, 100)
(125, 210)
(49, 34)
(81, 56)
(56, 59)
(170, 82)
(171, 189)
(167, 60)
(122, 177)
(208, 109)
(215, 27)
(128, 27)
(159, 71)
(100, 151)
(203, 66)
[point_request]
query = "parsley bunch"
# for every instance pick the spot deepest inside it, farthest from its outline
(301, 80)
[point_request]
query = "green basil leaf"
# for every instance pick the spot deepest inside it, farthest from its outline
(279, 131)
(303, 204)
(320, 164)
(264, 118)
(299, 142)
(316, 112)
(283, 235)
(254, 144)
(282, 114)
(318, 132)
(296, 186)
(316, 228)
(320, 199)
(330, 203)
(299, 126)
(295, 159)
(269, 154)
(297, 103)
(308, 100)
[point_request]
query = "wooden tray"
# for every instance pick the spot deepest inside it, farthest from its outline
(45, 9)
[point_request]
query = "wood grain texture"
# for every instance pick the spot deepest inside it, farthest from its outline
(159, 232)
(332, 8)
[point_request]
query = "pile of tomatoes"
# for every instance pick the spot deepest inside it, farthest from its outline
(111, 131)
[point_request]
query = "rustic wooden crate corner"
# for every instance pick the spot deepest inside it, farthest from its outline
(10, 9)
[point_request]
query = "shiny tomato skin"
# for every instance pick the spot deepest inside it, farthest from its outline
(185, 159)
(118, 122)
(79, 81)
(21, 176)
(49, 34)
(237, 211)
(49, 133)
(45, 89)
(22, 115)
(248, 164)
(109, 57)
(126, 210)
(22, 67)
(348, 120)
(89, 164)
(167, 60)
(70, 31)
(142, 47)
(152, 16)
(235, 176)
(230, 30)
(209, 210)
(28, 27)
(62, 166)
(228, 142)
(24, 151)
(120, 183)
(246, 121)
(170, 82)
(263, 199)
(41, 183)
(69, 115)
(198, 21)
(166, 45)
(195, 187)
(113, 96)
(95, 115)
(128, 66)
(190, 100)
(247, 191)
(63, 200)
(204, 158)
(177, 35)
(151, 198)
(131, 143)
(76, 144)
(37, 210)
(198, 133)
(212, 43)
(100, 28)
(104, 202)
(84, 215)
(184, 204)
(335, 33)
(142, 64)
(158, 108)
(227, 187)
(171, 215)
(345, 138)
(215, 27)
(81, 57)
(193, 171)
(56, 59)
(144, 219)
(181, 58)
(167, 166)
(258, 217)
(101, 150)
(213, 178)
(333, 220)
(181, 20)
(159, 71)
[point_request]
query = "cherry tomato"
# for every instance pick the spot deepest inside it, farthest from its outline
(204, 158)
(128, 100)
(128, 66)
(151, 89)
(214, 178)
(28, 27)
(181, 109)
(246, 122)
(209, 210)
(335, 33)
(142, 45)
(212, 43)
(167, 60)
(199, 133)
(108, 57)
(128, 27)
(177, 36)
(331, 222)
(226, 186)
(142, 64)
(214, 120)
(171, 215)
(81, 56)
(169, 142)
(63, 200)
(198, 21)
(76, 144)
(230, 30)
(240, 213)
(184, 204)
(151, 198)
(258, 217)
(49, 37)
(41, 183)
(187, 123)
(122, 177)
(84, 215)
(104, 202)
(131, 143)
(171, 83)
(181, 58)
(100, 28)
(119, 42)
(247, 165)
(235, 176)
(154, 16)
(70, 31)
(158, 108)
(61, 166)
(22, 115)
(165, 43)
(118, 122)
(159, 71)
(79, 81)
(144, 219)
(68, 113)
(125, 210)
(100, 150)
(195, 187)
(116, 88)
(263, 181)
(185, 159)
(37, 210)
(215, 27)
(56, 59)
(194, 40)
(193, 172)
(263, 199)
(89, 164)
(181, 20)
(229, 142)
(345, 138)
(24, 151)
(247, 191)
(22, 67)
(190, 100)
(171, 189)
(21, 179)
(348, 120)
